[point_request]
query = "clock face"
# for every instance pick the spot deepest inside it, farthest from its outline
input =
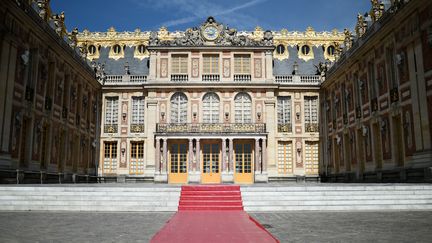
(211, 33)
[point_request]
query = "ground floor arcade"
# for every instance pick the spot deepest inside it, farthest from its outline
(186, 159)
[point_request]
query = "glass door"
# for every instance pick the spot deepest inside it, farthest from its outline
(211, 163)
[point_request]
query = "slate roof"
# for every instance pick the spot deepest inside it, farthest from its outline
(140, 67)
(116, 67)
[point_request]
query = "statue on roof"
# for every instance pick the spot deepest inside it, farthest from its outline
(360, 26)
(348, 39)
(377, 10)
(321, 70)
(73, 38)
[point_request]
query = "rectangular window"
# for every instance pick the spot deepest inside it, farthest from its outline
(111, 110)
(138, 110)
(242, 64)
(136, 165)
(311, 109)
(284, 109)
(390, 66)
(179, 64)
(211, 64)
(110, 157)
(372, 81)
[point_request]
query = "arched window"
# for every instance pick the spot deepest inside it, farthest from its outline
(179, 108)
(243, 108)
(211, 108)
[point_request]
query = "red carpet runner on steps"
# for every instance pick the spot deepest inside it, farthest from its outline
(212, 214)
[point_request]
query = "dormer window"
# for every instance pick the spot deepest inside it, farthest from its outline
(141, 49)
(331, 50)
(116, 52)
(116, 49)
(305, 50)
(92, 49)
(280, 49)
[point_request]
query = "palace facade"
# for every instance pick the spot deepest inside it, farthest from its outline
(49, 98)
(376, 102)
(210, 104)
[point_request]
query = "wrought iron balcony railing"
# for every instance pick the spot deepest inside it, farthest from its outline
(211, 128)
(285, 127)
(111, 128)
(137, 128)
(311, 127)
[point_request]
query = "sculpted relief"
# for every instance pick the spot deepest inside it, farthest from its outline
(211, 32)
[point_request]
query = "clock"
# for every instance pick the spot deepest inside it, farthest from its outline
(210, 33)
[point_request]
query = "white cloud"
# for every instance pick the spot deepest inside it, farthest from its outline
(199, 10)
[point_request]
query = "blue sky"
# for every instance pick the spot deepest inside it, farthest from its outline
(99, 15)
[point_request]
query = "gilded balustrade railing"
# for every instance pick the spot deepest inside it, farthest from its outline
(210, 128)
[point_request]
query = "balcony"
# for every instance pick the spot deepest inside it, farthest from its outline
(285, 127)
(137, 128)
(242, 78)
(298, 79)
(311, 127)
(125, 79)
(210, 128)
(179, 78)
(210, 78)
(111, 128)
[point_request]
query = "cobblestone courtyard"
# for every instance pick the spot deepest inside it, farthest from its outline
(286, 226)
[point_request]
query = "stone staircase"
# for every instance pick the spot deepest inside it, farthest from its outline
(337, 197)
(267, 197)
(213, 198)
(89, 198)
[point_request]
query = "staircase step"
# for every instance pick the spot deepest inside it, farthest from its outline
(211, 203)
(211, 193)
(210, 197)
(207, 208)
(210, 188)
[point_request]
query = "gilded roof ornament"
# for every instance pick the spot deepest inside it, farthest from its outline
(211, 33)
(111, 32)
(310, 32)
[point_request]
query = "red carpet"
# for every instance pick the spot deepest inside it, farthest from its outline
(217, 198)
(212, 214)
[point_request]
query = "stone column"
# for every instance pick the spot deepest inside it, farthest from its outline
(197, 155)
(165, 156)
(190, 160)
(257, 155)
(224, 165)
(231, 154)
(158, 156)
(264, 156)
